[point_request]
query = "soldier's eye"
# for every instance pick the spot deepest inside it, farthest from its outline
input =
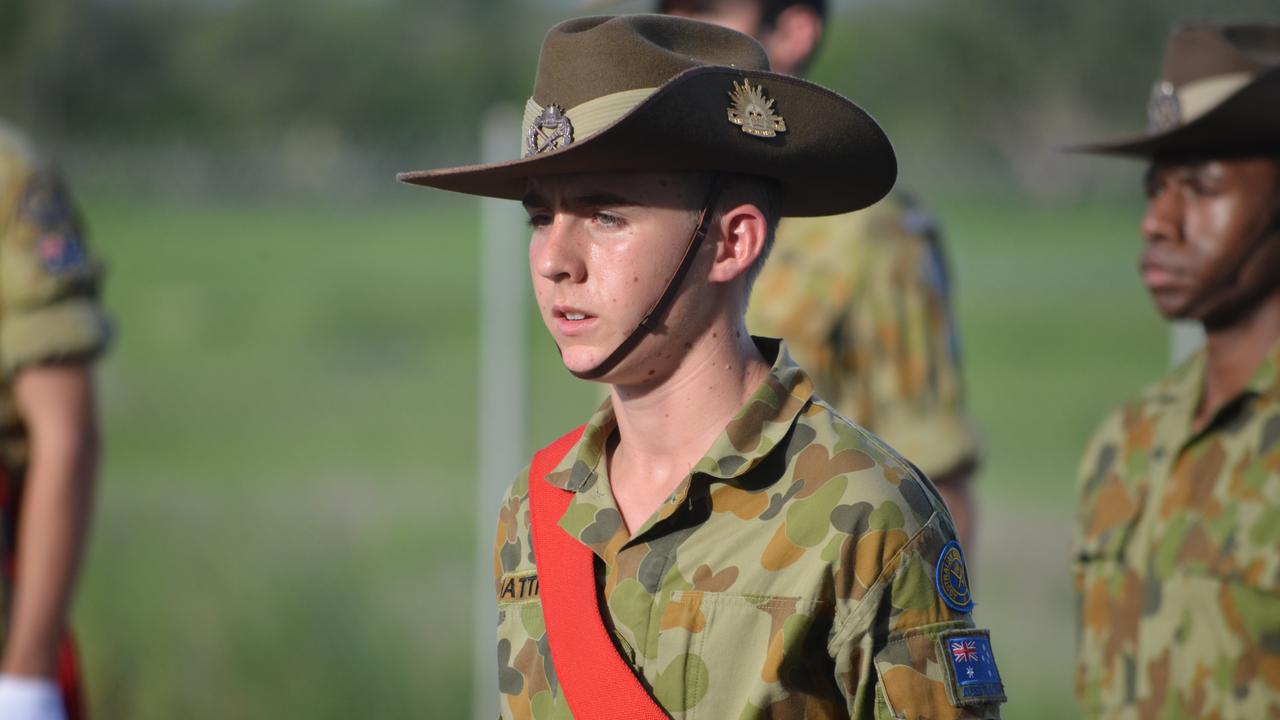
(537, 220)
(608, 220)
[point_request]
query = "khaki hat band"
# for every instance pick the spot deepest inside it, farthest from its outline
(591, 116)
(1200, 96)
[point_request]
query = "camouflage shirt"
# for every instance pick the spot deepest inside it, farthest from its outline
(791, 575)
(1178, 555)
(863, 302)
(48, 302)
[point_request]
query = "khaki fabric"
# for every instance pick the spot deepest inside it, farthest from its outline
(863, 301)
(791, 575)
(1178, 555)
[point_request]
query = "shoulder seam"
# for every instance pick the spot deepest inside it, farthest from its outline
(839, 633)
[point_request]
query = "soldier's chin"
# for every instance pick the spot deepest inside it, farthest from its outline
(580, 360)
(1173, 306)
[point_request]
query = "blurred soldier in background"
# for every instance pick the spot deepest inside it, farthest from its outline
(51, 329)
(863, 299)
(1178, 539)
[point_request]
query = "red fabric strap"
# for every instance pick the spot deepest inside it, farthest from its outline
(596, 681)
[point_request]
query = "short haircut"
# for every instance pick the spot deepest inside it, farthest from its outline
(769, 9)
(764, 193)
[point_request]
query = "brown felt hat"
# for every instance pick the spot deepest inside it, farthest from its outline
(639, 93)
(1218, 94)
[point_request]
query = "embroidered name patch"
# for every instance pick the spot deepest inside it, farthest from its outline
(518, 587)
(972, 675)
(952, 578)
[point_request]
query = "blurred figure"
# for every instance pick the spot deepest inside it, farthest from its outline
(51, 329)
(1178, 541)
(863, 299)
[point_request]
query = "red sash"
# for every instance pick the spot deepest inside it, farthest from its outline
(596, 681)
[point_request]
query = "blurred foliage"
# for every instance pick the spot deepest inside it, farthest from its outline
(996, 87)
(235, 72)
(324, 91)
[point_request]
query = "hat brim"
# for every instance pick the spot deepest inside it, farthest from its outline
(1246, 122)
(833, 157)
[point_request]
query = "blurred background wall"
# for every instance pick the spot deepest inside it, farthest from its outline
(286, 512)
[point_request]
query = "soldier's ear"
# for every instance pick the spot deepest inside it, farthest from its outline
(793, 39)
(740, 239)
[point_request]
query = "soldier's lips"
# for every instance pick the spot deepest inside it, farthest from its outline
(572, 321)
(1158, 275)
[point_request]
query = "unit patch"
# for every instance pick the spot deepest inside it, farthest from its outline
(972, 675)
(45, 202)
(513, 588)
(752, 111)
(952, 578)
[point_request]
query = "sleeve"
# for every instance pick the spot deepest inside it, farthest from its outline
(513, 519)
(901, 345)
(49, 281)
(906, 647)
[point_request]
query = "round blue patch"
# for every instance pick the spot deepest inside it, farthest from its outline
(952, 578)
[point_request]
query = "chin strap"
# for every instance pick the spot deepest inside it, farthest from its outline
(653, 317)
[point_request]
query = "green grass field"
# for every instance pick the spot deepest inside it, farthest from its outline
(286, 506)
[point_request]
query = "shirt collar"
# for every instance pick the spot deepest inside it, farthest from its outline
(755, 430)
(1180, 391)
(1266, 379)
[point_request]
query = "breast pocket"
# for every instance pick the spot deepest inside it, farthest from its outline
(723, 654)
(1218, 605)
(526, 680)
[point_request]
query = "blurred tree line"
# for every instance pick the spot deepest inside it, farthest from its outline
(233, 71)
(976, 89)
(964, 86)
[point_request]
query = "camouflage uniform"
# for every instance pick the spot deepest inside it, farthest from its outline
(791, 575)
(1178, 554)
(48, 304)
(863, 301)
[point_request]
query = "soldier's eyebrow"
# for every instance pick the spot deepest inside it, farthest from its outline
(601, 199)
(533, 199)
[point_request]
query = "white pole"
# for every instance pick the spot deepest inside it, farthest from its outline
(500, 441)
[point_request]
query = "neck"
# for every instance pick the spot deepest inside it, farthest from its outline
(1233, 353)
(666, 426)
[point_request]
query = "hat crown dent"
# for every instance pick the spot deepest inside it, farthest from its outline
(586, 58)
(1196, 52)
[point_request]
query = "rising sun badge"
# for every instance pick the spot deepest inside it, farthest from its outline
(753, 112)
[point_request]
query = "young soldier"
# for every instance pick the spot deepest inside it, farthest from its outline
(1179, 528)
(51, 328)
(862, 299)
(716, 541)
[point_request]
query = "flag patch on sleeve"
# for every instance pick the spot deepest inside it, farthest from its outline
(972, 675)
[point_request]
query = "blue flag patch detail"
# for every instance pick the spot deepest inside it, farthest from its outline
(972, 672)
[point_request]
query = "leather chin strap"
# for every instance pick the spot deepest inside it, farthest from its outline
(653, 317)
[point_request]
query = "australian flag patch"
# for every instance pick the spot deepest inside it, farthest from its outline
(972, 675)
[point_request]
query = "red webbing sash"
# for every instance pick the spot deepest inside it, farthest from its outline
(596, 681)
